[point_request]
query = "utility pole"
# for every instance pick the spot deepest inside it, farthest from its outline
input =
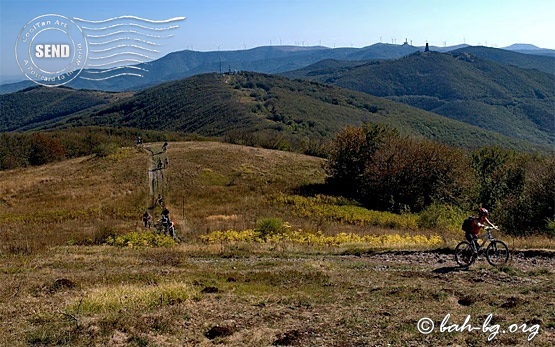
(220, 57)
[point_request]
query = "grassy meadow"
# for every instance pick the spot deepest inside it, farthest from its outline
(78, 269)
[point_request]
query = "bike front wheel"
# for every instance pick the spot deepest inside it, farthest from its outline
(464, 254)
(497, 253)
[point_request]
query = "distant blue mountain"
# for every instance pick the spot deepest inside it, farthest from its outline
(266, 59)
(521, 46)
(525, 48)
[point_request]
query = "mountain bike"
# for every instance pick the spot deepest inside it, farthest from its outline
(497, 252)
(161, 227)
(167, 228)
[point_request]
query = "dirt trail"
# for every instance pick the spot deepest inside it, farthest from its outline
(443, 260)
(437, 261)
(158, 179)
(156, 182)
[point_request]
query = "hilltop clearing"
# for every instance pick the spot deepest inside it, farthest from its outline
(69, 279)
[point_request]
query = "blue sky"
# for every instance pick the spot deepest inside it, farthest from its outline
(240, 24)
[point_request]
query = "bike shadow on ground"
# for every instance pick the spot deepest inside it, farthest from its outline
(449, 269)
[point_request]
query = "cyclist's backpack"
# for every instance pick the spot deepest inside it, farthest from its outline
(467, 224)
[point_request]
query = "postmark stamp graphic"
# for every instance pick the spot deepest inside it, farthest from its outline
(122, 46)
(51, 50)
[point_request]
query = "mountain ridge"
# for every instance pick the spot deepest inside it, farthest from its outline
(265, 59)
(501, 98)
(268, 106)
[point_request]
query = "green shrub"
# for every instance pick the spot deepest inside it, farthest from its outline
(500, 174)
(268, 227)
(531, 208)
(141, 239)
(441, 217)
(105, 149)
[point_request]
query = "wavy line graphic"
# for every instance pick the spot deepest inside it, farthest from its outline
(116, 68)
(123, 46)
(121, 53)
(131, 17)
(117, 62)
(134, 38)
(130, 32)
(109, 77)
(132, 24)
(125, 38)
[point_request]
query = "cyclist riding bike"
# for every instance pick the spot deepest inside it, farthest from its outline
(497, 253)
(476, 226)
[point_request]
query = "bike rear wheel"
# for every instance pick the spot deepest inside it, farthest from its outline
(464, 254)
(497, 253)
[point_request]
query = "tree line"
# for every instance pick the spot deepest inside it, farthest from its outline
(37, 148)
(387, 171)
(373, 164)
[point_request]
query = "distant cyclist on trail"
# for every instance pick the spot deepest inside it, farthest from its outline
(160, 200)
(171, 230)
(165, 220)
(147, 219)
(166, 212)
(473, 225)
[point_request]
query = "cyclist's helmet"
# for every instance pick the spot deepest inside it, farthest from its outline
(483, 212)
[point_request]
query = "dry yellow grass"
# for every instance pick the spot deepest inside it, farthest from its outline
(208, 186)
(262, 294)
(71, 200)
(209, 179)
(99, 295)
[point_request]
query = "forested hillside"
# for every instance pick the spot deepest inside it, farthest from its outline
(38, 104)
(505, 99)
(272, 111)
